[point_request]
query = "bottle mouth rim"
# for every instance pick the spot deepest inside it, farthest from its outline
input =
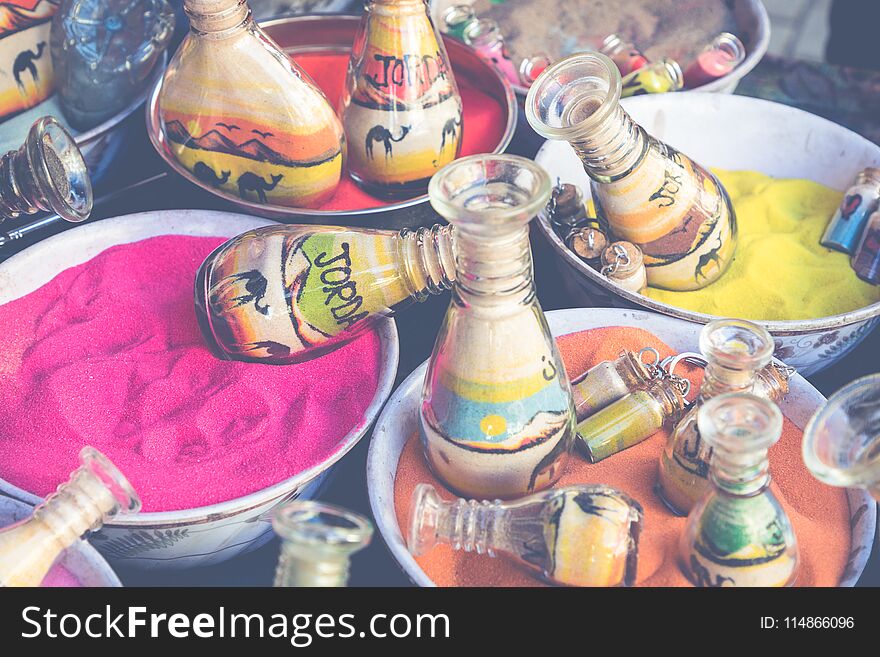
(76, 205)
(607, 71)
(310, 523)
(462, 180)
(116, 482)
(755, 355)
(756, 426)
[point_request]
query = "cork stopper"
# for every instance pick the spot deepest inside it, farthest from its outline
(621, 259)
(209, 16)
(588, 242)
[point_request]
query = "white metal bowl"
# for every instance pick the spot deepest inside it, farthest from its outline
(204, 535)
(82, 560)
(732, 132)
(400, 419)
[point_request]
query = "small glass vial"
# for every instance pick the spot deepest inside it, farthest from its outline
(573, 536)
(631, 419)
(610, 380)
(623, 263)
(317, 543)
(531, 67)
(655, 78)
(735, 350)
(485, 36)
(496, 417)
(848, 222)
(739, 534)
(866, 258)
(243, 117)
(46, 173)
(567, 205)
(287, 293)
(624, 54)
(94, 494)
(588, 241)
(717, 59)
(401, 108)
(456, 18)
(772, 382)
(842, 440)
(647, 193)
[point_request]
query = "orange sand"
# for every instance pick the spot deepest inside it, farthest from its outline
(820, 514)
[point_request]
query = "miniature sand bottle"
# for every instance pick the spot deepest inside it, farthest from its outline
(624, 54)
(608, 381)
(485, 36)
(848, 222)
(46, 173)
(401, 108)
(673, 209)
(842, 440)
(95, 493)
(739, 534)
(573, 536)
(283, 294)
(496, 418)
(735, 350)
(317, 543)
(717, 59)
(243, 118)
(655, 78)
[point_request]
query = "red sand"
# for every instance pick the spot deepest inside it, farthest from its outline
(60, 577)
(820, 514)
(109, 354)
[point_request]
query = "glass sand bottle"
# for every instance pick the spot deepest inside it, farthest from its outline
(735, 350)
(674, 210)
(739, 534)
(95, 493)
(243, 118)
(317, 543)
(842, 440)
(401, 108)
(573, 536)
(284, 294)
(497, 418)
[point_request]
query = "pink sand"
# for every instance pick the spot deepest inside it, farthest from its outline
(60, 577)
(109, 354)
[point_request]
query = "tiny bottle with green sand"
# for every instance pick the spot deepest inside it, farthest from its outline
(735, 351)
(243, 118)
(496, 418)
(287, 293)
(738, 534)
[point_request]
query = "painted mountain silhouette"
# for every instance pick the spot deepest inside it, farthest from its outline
(15, 18)
(252, 149)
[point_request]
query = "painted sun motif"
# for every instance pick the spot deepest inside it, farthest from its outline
(493, 425)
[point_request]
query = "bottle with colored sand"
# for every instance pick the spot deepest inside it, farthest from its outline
(717, 59)
(573, 536)
(656, 78)
(456, 18)
(496, 417)
(284, 294)
(46, 173)
(739, 534)
(624, 54)
(485, 36)
(848, 222)
(401, 107)
(866, 258)
(842, 440)
(317, 543)
(243, 118)
(735, 350)
(95, 493)
(608, 381)
(28, 76)
(624, 263)
(649, 194)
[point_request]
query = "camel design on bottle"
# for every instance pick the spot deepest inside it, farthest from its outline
(383, 134)
(251, 182)
(450, 128)
(208, 176)
(25, 62)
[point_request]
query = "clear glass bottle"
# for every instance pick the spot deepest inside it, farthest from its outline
(573, 536)
(655, 78)
(496, 418)
(842, 440)
(485, 36)
(739, 534)
(287, 293)
(243, 117)
(317, 543)
(103, 52)
(624, 54)
(401, 107)
(456, 18)
(734, 350)
(46, 173)
(717, 59)
(858, 202)
(608, 381)
(631, 419)
(95, 492)
(674, 210)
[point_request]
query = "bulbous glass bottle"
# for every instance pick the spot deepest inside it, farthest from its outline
(243, 118)
(96, 492)
(283, 294)
(401, 108)
(673, 209)
(739, 534)
(735, 350)
(497, 417)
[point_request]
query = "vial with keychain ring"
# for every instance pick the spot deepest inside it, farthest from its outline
(610, 380)
(771, 382)
(622, 262)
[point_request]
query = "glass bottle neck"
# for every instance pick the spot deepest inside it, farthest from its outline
(493, 269)
(218, 18)
(614, 148)
(302, 567)
(428, 258)
(742, 474)
(718, 380)
(396, 7)
(471, 526)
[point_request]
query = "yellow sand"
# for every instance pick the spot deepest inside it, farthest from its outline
(780, 271)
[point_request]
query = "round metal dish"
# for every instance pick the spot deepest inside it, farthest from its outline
(309, 34)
